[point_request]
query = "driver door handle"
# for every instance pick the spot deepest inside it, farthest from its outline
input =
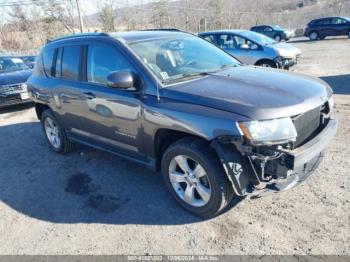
(89, 95)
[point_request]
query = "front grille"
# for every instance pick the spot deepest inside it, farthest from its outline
(10, 89)
(10, 99)
(306, 124)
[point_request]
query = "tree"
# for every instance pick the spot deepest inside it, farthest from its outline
(62, 12)
(107, 17)
(160, 17)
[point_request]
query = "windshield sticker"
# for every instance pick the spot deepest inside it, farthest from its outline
(164, 75)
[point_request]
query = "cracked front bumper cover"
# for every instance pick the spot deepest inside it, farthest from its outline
(299, 164)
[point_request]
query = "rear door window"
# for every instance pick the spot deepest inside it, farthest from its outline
(70, 62)
(322, 22)
(58, 67)
(48, 60)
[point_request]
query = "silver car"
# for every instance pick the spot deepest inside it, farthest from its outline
(254, 49)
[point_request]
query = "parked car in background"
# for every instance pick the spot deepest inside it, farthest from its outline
(29, 60)
(13, 77)
(216, 129)
(328, 26)
(254, 49)
(273, 31)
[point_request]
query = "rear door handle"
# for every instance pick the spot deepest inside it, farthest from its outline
(89, 95)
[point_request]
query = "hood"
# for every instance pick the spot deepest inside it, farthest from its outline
(14, 77)
(254, 92)
(286, 50)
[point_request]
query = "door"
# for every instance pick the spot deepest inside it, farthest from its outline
(268, 31)
(324, 27)
(112, 115)
(339, 26)
(103, 116)
(240, 47)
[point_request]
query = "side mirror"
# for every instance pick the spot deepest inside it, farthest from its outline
(245, 46)
(120, 79)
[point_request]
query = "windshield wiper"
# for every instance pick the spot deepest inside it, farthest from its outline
(185, 75)
(189, 75)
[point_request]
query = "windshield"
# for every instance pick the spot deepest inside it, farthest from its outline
(29, 58)
(173, 59)
(258, 38)
(8, 64)
(277, 27)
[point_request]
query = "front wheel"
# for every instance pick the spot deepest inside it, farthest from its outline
(195, 177)
(349, 33)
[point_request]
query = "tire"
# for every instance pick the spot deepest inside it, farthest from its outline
(278, 38)
(197, 155)
(267, 63)
(314, 36)
(349, 33)
(49, 122)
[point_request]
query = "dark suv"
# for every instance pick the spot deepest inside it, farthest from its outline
(13, 77)
(329, 26)
(273, 31)
(172, 101)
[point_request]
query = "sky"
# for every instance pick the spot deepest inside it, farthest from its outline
(87, 6)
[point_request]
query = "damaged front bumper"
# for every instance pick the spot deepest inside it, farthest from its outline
(287, 62)
(258, 175)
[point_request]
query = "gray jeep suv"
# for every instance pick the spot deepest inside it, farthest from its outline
(172, 101)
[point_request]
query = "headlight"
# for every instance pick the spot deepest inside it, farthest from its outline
(269, 131)
(279, 51)
(24, 87)
(331, 104)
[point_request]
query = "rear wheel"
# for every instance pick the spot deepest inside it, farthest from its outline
(54, 134)
(313, 36)
(195, 178)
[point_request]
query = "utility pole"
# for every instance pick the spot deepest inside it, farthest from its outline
(80, 17)
(340, 5)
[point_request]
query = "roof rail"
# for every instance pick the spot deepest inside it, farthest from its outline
(162, 29)
(75, 36)
(167, 30)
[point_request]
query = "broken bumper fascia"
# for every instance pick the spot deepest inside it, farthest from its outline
(291, 168)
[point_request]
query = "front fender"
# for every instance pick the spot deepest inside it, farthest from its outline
(205, 122)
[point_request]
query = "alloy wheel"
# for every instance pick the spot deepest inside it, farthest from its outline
(52, 132)
(313, 36)
(190, 181)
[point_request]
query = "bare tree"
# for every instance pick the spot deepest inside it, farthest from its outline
(161, 16)
(62, 12)
(107, 14)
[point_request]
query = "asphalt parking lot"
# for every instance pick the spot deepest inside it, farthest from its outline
(91, 202)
